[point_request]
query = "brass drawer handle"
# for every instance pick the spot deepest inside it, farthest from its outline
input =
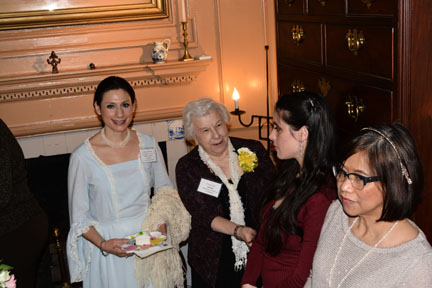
(354, 107)
(297, 34)
(324, 2)
(368, 3)
(289, 2)
(355, 40)
(297, 86)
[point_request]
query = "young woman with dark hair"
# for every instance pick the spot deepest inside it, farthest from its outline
(295, 204)
(109, 185)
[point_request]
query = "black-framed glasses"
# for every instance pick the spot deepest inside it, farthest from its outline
(358, 181)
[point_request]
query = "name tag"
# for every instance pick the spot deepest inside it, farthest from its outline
(209, 187)
(148, 155)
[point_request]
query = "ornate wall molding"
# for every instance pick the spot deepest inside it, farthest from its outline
(85, 82)
(84, 89)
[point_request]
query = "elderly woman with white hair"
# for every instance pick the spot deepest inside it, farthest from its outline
(220, 182)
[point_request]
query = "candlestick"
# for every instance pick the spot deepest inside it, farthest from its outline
(263, 5)
(186, 56)
(236, 97)
(183, 11)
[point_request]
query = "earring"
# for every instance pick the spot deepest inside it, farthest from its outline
(301, 149)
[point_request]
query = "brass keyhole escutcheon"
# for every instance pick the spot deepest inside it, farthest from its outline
(354, 106)
(297, 34)
(323, 2)
(324, 86)
(368, 3)
(297, 86)
(355, 40)
(289, 2)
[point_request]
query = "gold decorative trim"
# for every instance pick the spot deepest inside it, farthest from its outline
(89, 15)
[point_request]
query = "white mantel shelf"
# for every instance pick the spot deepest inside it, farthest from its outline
(69, 83)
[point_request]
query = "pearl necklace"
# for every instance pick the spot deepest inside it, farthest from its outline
(115, 145)
(361, 260)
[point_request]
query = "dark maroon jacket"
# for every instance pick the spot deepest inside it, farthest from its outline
(204, 244)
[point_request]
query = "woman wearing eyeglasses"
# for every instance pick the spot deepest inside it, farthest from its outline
(367, 239)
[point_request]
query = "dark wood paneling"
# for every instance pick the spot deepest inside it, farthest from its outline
(377, 7)
(378, 103)
(374, 57)
(420, 101)
(308, 50)
(288, 7)
(330, 8)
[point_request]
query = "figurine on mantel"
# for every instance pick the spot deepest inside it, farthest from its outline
(54, 60)
(160, 51)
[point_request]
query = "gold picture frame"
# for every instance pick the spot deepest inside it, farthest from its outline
(151, 9)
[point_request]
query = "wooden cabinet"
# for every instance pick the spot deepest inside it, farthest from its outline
(343, 50)
(365, 57)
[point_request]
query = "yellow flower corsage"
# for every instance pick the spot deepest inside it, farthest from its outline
(247, 159)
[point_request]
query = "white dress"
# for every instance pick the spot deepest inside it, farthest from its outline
(114, 200)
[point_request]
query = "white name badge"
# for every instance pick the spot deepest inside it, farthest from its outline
(148, 155)
(209, 187)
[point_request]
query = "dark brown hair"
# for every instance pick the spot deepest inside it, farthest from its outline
(400, 198)
(112, 83)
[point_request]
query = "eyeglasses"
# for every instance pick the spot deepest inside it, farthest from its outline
(357, 181)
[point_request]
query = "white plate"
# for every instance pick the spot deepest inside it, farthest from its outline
(146, 250)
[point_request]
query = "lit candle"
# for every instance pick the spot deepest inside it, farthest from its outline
(183, 11)
(236, 97)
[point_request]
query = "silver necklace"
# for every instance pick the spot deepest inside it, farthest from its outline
(115, 145)
(361, 260)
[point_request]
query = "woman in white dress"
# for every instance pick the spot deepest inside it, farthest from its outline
(109, 184)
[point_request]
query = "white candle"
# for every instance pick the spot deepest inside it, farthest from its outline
(183, 11)
(264, 21)
(236, 97)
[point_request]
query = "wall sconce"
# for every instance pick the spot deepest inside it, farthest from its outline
(261, 119)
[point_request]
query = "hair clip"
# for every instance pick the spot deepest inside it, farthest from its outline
(403, 168)
(311, 102)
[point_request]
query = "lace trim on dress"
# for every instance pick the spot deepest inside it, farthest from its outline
(109, 175)
(82, 271)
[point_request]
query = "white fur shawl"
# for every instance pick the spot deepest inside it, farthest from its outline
(164, 269)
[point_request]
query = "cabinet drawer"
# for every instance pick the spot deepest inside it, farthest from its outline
(357, 106)
(347, 99)
(371, 7)
(309, 49)
(354, 105)
(290, 7)
(374, 57)
(293, 79)
(326, 7)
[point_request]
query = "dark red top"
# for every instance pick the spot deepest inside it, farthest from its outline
(291, 267)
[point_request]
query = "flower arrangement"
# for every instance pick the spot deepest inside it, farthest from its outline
(6, 280)
(247, 159)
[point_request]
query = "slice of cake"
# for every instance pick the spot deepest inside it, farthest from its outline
(143, 239)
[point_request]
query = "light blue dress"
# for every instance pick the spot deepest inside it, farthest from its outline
(114, 200)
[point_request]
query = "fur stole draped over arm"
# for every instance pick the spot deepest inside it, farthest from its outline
(164, 269)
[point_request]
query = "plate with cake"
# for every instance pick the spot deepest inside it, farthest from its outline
(146, 243)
